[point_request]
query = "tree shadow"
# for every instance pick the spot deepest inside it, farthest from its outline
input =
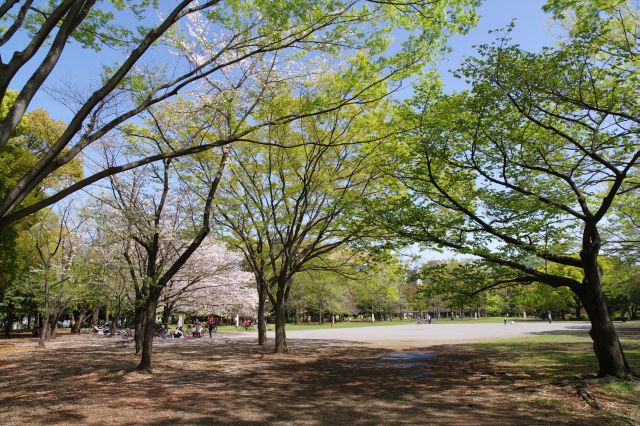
(234, 381)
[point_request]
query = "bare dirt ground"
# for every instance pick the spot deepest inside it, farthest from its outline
(230, 380)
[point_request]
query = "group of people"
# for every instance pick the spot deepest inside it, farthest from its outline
(428, 319)
(195, 330)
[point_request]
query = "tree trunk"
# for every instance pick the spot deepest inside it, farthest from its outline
(44, 330)
(166, 315)
(94, 316)
(79, 322)
(149, 328)
(606, 345)
(139, 319)
(114, 324)
(53, 325)
(8, 321)
(262, 323)
(281, 338)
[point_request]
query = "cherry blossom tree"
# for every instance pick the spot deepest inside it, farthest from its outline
(211, 282)
(197, 41)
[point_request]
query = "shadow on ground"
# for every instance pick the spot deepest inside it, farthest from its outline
(90, 380)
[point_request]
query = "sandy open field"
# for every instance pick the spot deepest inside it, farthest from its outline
(388, 375)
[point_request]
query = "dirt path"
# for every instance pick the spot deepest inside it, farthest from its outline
(230, 380)
(438, 333)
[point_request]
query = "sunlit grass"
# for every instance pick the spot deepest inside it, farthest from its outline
(561, 355)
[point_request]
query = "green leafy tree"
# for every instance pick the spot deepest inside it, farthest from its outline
(290, 196)
(378, 291)
(215, 40)
(34, 134)
(320, 292)
(513, 170)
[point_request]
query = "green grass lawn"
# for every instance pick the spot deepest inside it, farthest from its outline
(560, 354)
(555, 357)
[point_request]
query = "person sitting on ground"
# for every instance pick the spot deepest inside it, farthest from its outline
(166, 333)
(178, 333)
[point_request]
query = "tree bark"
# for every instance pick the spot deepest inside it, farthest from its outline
(166, 315)
(139, 326)
(606, 345)
(8, 321)
(114, 323)
(44, 330)
(149, 328)
(262, 323)
(77, 326)
(94, 316)
(281, 337)
(53, 326)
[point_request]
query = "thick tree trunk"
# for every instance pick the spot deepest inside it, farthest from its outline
(8, 321)
(281, 337)
(53, 325)
(139, 319)
(78, 325)
(166, 315)
(149, 328)
(94, 316)
(262, 323)
(114, 324)
(606, 345)
(44, 330)
(74, 321)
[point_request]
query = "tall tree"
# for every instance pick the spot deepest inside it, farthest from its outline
(36, 132)
(286, 207)
(513, 171)
(165, 222)
(205, 40)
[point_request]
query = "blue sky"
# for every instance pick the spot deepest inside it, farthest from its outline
(534, 29)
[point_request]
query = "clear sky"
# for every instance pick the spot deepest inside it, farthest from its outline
(79, 67)
(534, 30)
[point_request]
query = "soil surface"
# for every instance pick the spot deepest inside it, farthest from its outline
(440, 332)
(88, 379)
